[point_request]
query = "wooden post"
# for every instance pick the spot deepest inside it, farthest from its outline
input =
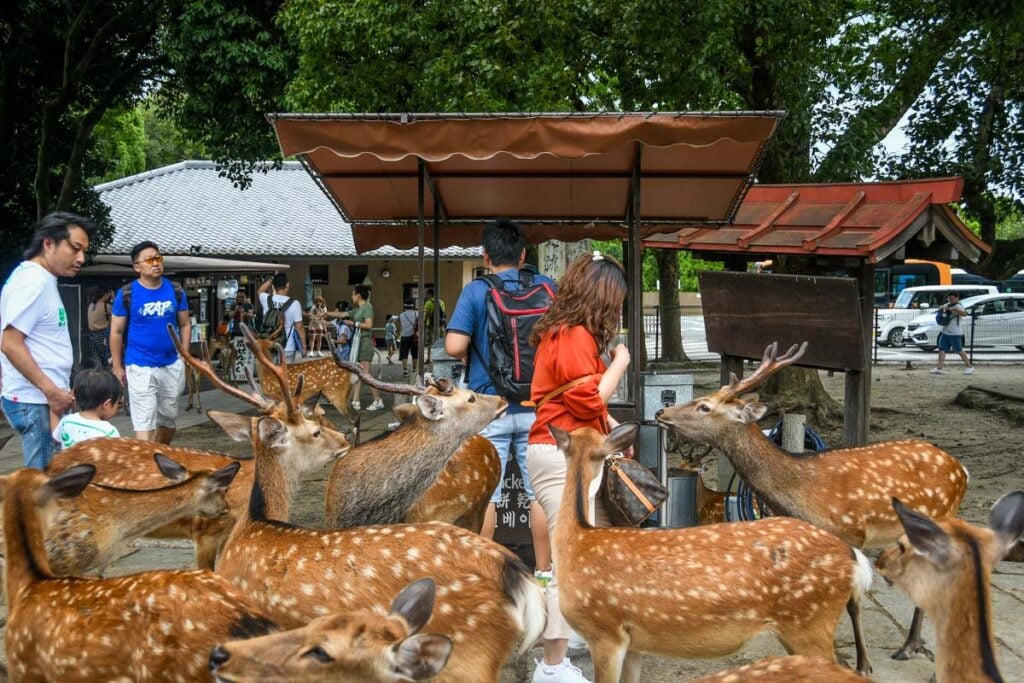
(857, 404)
(793, 430)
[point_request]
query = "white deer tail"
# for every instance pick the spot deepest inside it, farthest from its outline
(862, 575)
(528, 605)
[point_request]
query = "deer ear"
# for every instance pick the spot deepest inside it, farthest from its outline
(68, 484)
(1006, 519)
(561, 437)
(238, 427)
(749, 398)
(420, 657)
(621, 438)
(415, 604)
(310, 404)
(170, 469)
(222, 478)
(431, 407)
(272, 431)
(926, 537)
(750, 413)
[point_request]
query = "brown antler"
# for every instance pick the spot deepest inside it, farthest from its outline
(203, 367)
(770, 364)
(407, 389)
(279, 370)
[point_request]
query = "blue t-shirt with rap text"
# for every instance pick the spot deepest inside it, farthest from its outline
(148, 344)
(470, 317)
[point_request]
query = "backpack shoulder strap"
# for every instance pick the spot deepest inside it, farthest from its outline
(526, 277)
(179, 291)
(493, 281)
(126, 298)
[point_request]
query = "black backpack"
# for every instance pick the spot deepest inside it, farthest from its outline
(510, 320)
(943, 317)
(272, 326)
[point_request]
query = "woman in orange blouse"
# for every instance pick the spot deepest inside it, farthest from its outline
(570, 338)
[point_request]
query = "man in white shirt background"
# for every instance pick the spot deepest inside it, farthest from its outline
(35, 345)
(294, 331)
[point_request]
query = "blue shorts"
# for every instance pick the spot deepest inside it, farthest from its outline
(511, 432)
(951, 343)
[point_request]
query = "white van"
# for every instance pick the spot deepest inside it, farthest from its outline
(891, 323)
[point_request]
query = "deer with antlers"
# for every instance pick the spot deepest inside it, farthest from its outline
(321, 376)
(139, 627)
(845, 491)
(298, 430)
(945, 566)
(362, 646)
(433, 467)
(487, 598)
(698, 592)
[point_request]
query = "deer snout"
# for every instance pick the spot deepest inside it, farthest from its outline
(218, 657)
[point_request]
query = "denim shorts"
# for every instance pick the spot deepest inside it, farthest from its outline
(32, 421)
(951, 343)
(511, 431)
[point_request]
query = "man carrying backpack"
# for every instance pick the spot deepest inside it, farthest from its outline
(142, 354)
(282, 317)
(499, 373)
(951, 338)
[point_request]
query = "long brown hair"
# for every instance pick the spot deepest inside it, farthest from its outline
(590, 295)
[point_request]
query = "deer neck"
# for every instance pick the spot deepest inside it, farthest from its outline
(136, 513)
(270, 499)
(964, 639)
(574, 512)
(761, 463)
(26, 558)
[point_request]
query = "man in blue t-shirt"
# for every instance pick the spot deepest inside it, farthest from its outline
(148, 364)
(504, 244)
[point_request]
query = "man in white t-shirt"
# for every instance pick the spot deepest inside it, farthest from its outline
(294, 332)
(35, 346)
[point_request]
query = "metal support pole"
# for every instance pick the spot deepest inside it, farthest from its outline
(436, 322)
(636, 289)
(421, 237)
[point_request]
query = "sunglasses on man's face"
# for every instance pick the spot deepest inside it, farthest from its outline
(152, 260)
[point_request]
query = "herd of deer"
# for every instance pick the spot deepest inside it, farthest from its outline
(399, 587)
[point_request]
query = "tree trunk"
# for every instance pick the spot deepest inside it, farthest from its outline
(668, 306)
(799, 390)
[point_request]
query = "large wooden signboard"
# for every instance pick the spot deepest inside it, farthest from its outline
(744, 312)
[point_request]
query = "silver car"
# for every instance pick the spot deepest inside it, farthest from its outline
(992, 320)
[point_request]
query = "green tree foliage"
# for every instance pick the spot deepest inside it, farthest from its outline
(120, 145)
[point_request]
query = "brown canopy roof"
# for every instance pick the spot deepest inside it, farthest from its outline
(564, 176)
(863, 220)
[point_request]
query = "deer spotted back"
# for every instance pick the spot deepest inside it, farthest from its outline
(945, 567)
(790, 669)
(360, 646)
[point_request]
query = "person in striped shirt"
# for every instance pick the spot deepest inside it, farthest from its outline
(97, 393)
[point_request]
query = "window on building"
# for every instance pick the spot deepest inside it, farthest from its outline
(318, 274)
(356, 274)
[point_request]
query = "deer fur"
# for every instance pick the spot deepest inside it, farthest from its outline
(382, 480)
(362, 647)
(792, 669)
(462, 491)
(320, 376)
(846, 491)
(699, 592)
(141, 627)
(945, 566)
(487, 599)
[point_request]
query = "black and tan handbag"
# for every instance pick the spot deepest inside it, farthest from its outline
(630, 492)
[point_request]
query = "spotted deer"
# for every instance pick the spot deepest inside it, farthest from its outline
(433, 467)
(487, 599)
(945, 566)
(140, 627)
(297, 429)
(791, 669)
(845, 491)
(698, 592)
(362, 646)
(223, 351)
(320, 376)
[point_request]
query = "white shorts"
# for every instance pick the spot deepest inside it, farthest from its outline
(153, 395)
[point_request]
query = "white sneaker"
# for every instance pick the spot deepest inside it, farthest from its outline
(558, 673)
(376, 405)
(938, 371)
(969, 371)
(356, 405)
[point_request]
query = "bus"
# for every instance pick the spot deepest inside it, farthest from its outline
(891, 280)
